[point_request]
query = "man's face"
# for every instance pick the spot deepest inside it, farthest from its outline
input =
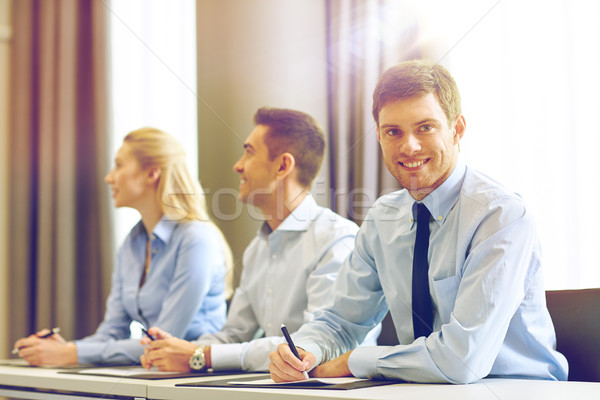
(419, 148)
(258, 175)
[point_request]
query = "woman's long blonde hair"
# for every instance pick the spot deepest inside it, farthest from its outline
(181, 197)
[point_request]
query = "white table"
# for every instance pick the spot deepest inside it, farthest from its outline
(492, 389)
(47, 383)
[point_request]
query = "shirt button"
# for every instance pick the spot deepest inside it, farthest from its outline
(269, 325)
(411, 220)
(440, 218)
(154, 251)
(153, 236)
(274, 256)
(269, 291)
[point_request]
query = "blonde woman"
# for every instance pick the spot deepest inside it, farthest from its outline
(171, 269)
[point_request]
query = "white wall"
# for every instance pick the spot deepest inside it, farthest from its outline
(529, 88)
(253, 54)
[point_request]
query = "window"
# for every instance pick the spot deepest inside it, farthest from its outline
(153, 50)
(528, 75)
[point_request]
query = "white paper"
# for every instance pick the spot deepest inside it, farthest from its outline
(326, 381)
(133, 371)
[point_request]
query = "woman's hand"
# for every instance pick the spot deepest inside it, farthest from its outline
(53, 350)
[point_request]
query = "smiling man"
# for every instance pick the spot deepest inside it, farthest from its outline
(454, 257)
(291, 264)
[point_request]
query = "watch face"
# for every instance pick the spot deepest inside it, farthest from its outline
(198, 361)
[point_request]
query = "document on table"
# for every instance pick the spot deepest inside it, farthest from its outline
(311, 381)
(314, 383)
(137, 372)
(18, 362)
(130, 372)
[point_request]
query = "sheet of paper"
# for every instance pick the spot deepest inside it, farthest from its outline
(18, 362)
(325, 381)
(133, 371)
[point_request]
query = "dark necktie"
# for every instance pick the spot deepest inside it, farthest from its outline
(421, 298)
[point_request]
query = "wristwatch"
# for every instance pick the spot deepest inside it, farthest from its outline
(198, 360)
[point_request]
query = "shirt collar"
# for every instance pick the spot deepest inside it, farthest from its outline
(299, 220)
(163, 229)
(442, 199)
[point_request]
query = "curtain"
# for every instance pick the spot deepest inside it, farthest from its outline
(364, 38)
(60, 230)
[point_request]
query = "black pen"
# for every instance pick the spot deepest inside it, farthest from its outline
(148, 334)
(45, 336)
(288, 339)
(52, 332)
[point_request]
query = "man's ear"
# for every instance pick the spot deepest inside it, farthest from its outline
(153, 174)
(460, 126)
(378, 135)
(287, 163)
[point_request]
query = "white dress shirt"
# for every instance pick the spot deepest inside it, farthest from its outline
(485, 281)
(288, 274)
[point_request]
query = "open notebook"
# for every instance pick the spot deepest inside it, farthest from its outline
(313, 383)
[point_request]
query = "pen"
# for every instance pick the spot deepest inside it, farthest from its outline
(288, 339)
(46, 336)
(148, 334)
(52, 332)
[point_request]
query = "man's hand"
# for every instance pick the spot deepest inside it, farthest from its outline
(337, 367)
(53, 350)
(157, 333)
(285, 367)
(170, 354)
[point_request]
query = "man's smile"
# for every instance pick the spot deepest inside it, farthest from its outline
(413, 164)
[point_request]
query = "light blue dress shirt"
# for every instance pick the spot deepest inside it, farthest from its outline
(288, 274)
(485, 281)
(183, 292)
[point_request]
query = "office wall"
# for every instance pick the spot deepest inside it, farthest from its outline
(5, 44)
(253, 54)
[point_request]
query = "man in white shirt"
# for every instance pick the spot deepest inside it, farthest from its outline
(454, 257)
(289, 267)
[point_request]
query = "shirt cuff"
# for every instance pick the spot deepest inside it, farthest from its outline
(312, 348)
(363, 360)
(87, 352)
(226, 356)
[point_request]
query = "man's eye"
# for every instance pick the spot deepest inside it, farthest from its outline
(425, 128)
(392, 132)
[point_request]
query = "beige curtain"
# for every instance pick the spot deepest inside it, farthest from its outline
(60, 230)
(364, 37)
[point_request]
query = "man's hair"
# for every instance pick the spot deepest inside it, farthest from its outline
(417, 77)
(296, 133)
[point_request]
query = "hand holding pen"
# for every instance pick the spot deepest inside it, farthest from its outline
(290, 343)
(39, 335)
(152, 334)
(47, 348)
(148, 335)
